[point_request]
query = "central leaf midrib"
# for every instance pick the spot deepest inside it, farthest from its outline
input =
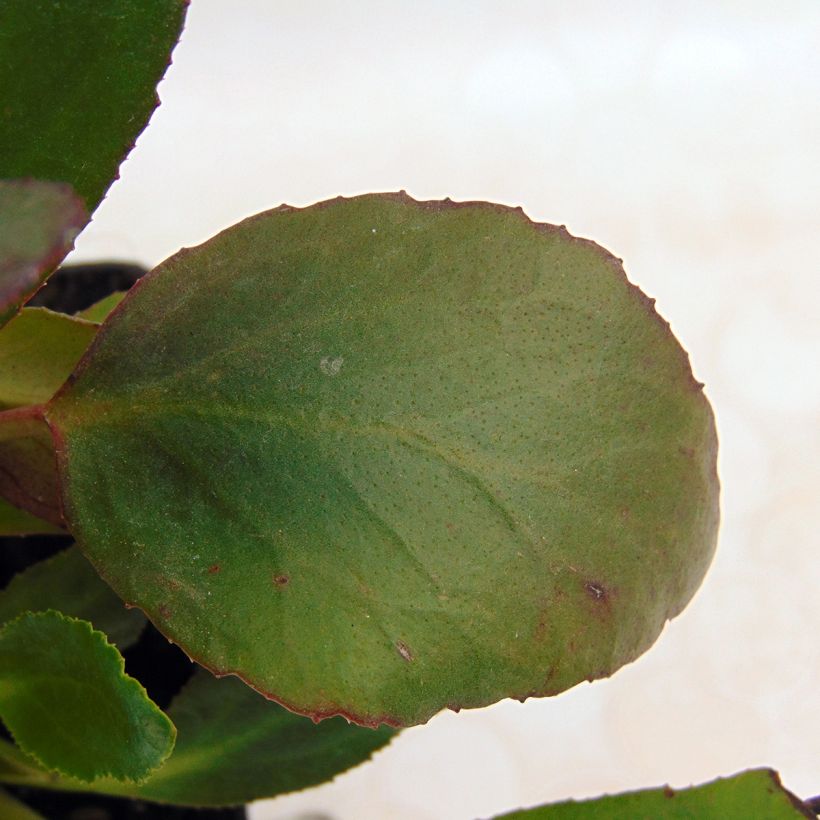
(113, 413)
(467, 471)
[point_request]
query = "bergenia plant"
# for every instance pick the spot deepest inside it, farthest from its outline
(362, 461)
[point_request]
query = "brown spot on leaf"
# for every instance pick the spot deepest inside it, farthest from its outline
(668, 791)
(550, 686)
(689, 452)
(600, 598)
(165, 611)
(543, 620)
(404, 650)
(213, 569)
(281, 580)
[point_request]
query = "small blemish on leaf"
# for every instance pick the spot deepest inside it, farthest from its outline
(595, 591)
(281, 580)
(668, 791)
(331, 366)
(213, 569)
(404, 650)
(165, 611)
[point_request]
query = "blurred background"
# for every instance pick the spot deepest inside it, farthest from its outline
(684, 137)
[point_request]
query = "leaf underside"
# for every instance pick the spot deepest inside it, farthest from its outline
(379, 457)
(28, 471)
(38, 224)
(753, 794)
(68, 703)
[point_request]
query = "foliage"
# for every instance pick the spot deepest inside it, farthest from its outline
(757, 793)
(372, 459)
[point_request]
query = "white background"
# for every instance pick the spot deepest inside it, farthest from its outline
(684, 137)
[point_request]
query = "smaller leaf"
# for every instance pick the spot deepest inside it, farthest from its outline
(235, 746)
(38, 224)
(38, 350)
(13, 809)
(68, 583)
(100, 310)
(757, 793)
(67, 701)
(18, 522)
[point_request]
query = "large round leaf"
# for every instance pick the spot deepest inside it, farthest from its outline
(379, 457)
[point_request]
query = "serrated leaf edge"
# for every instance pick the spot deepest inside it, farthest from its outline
(109, 648)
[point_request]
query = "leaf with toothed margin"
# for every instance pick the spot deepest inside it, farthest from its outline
(28, 470)
(68, 583)
(380, 457)
(74, 116)
(67, 701)
(233, 746)
(38, 224)
(757, 793)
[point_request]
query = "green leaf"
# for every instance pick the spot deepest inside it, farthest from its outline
(68, 703)
(12, 809)
(68, 583)
(14, 521)
(380, 457)
(234, 746)
(38, 351)
(98, 312)
(74, 115)
(38, 224)
(754, 794)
